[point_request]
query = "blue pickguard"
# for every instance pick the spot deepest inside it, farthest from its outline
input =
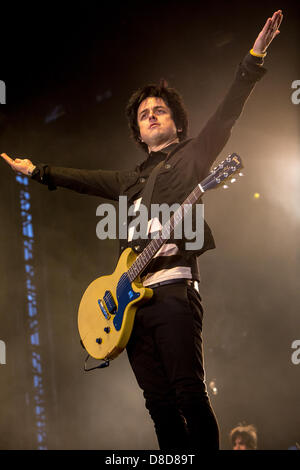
(125, 295)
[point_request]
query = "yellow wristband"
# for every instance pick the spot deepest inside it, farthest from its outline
(257, 55)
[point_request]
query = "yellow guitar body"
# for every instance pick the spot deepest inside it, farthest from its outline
(108, 307)
(107, 310)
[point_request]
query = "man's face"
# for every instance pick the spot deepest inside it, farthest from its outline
(155, 121)
(239, 445)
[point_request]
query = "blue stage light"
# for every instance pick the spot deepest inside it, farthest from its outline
(38, 392)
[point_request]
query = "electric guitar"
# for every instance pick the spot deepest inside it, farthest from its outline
(107, 309)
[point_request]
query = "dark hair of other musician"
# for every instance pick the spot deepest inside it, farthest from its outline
(247, 433)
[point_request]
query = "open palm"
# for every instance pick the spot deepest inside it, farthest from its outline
(268, 33)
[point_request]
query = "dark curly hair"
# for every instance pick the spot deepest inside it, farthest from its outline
(171, 98)
(248, 434)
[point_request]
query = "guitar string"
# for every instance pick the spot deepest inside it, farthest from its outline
(135, 268)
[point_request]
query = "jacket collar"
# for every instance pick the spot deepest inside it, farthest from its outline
(165, 150)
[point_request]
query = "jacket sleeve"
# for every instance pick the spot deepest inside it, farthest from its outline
(102, 183)
(215, 134)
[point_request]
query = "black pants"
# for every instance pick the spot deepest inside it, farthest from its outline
(165, 353)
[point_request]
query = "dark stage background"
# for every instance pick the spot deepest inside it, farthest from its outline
(69, 72)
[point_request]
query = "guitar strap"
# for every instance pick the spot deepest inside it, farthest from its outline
(147, 192)
(148, 189)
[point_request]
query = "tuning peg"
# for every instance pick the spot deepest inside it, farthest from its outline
(225, 186)
(241, 174)
(233, 180)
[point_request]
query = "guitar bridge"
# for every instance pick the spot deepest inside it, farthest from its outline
(103, 310)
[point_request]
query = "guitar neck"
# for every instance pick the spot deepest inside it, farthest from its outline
(164, 234)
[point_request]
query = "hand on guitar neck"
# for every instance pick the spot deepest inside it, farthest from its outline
(23, 166)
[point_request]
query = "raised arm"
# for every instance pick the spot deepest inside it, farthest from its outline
(217, 130)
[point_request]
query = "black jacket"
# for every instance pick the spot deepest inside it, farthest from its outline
(186, 165)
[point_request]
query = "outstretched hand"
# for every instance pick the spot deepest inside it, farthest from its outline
(268, 33)
(23, 166)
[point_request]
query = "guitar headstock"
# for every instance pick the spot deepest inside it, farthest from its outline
(223, 172)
